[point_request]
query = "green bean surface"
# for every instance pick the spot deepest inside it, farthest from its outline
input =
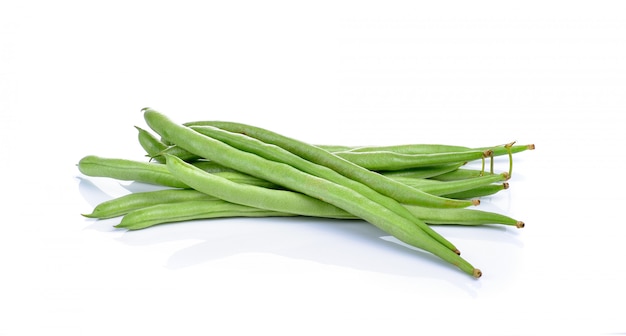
(344, 198)
(386, 186)
(221, 169)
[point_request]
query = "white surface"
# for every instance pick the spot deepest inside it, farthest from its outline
(74, 75)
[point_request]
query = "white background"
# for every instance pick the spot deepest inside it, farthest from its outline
(75, 74)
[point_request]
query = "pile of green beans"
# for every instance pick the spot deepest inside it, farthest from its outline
(217, 169)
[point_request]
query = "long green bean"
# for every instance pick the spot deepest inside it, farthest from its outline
(282, 174)
(161, 213)
(386, 186)
(278, 154)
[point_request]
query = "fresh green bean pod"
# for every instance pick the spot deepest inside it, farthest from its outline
(483, 191)
(278, 154)
(124, 204)
(439, 188)
(155, 148)
(190, 210)
(128, 170)
(422, 172)
(381, 160)
(432, 149)
(150, 144)
(344, 198)
(411, 149)
(156, 173)
(168, 212)
(386, 186)
(460, 174)
(250, 195)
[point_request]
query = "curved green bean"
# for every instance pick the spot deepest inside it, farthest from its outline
(439, 188)
(188, 208)
(459, 174)
(381, 160)
(124, 204)
(386, 186)
(483, 191)
(278, 154)
(128, 170)
(422, 172)
(281, 201)
(344, 198)
(156, 173)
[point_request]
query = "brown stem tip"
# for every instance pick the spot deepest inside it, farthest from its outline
(510, 144)
(520, 224)
(477, 273)
(457, 251)
(531, 146)
(476, 202)
(505, 185)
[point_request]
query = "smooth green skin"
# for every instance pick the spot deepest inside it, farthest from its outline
(253, 196)
(150, 144)
(189, 204)
(410, 149)
(381, 160)
(206, 209)
(290, 202)
(422, 172)
(189, 210)
(344, 198)
(380, 183)
(460, 174)
(277, 154)
(432, 149)
(156, 173)
(483, 191)
(128, 170)
(155, 148)
(434, 187)
(124, 204)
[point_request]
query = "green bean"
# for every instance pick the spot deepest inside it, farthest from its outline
(205, 208)
(250, 195)
(155, 148)
(459, 174)
(483, 191)
(283, 201)
(344, 198)
(278, 154)
(386, 186)
(381, 160)
(422, 172)
(189, 210)
(430, 148)
(156, 173)
(150, 144)
(127, 203)
(128, 170)
(439, 188)
(410, 149)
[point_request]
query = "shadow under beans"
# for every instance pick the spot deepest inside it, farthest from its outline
(351, 244)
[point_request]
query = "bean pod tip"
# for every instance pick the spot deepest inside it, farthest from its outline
(519, 224)
(477, 273)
